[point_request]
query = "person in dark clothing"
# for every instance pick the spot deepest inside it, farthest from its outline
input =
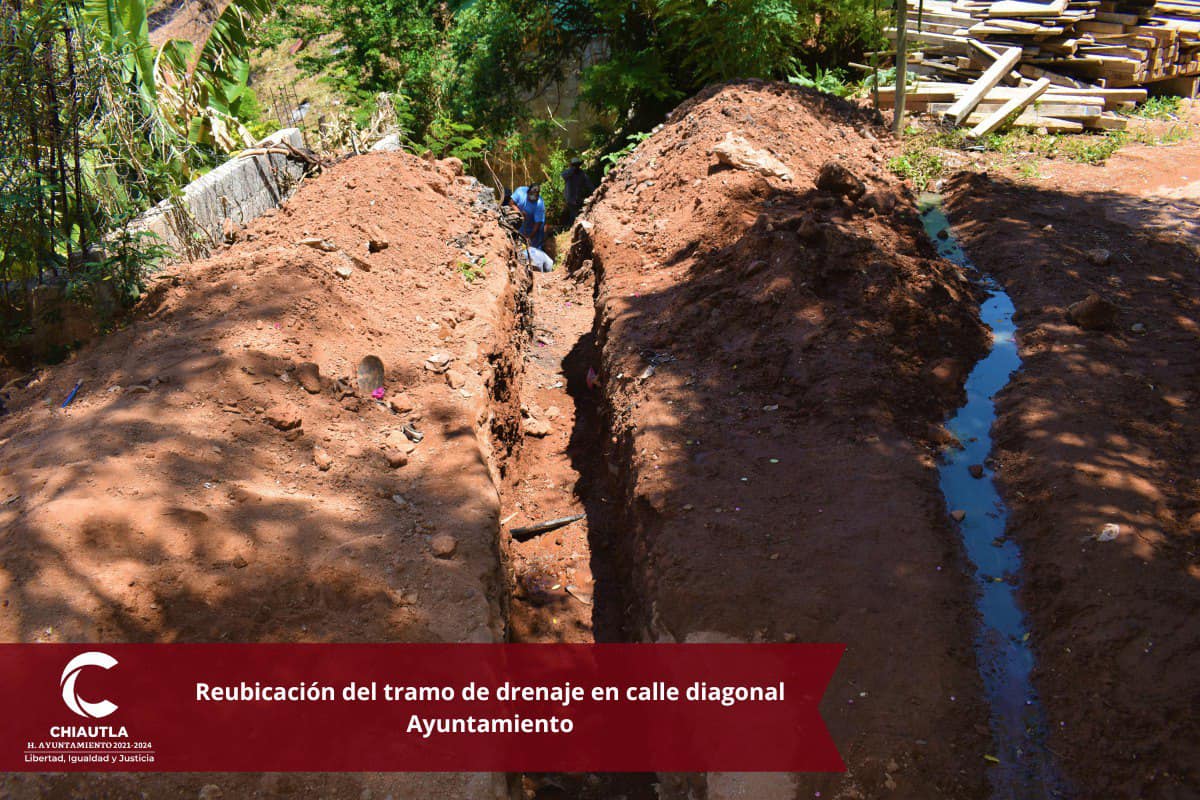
(576, 188)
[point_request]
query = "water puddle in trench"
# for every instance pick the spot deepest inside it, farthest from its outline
(1024, 767)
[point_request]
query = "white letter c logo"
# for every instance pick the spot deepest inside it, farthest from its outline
(76, 703)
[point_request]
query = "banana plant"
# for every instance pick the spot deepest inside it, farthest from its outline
(197, 90)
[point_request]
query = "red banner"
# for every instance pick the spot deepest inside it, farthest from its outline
(416, 707)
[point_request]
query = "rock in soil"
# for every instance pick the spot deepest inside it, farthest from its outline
(322, 459)
(308, 375)
(283, 416)
(736, 152)
(1093, 313)
(537, 427)
(834, 177)
(443, 545)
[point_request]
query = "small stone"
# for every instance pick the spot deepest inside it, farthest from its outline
(350, 403)
(443, 545)
(1093, 313)
(317, 243)
(137, 388)
(1138, 327)
(958, 515)
(308, 375)
(551, 412)
(355, 451)
(892, 766)
(239, 562)
(1099, 256)
(438, 362)
(1110, 532)
(537, 427)
(283, 416)
(376, 244)
(834, 177)
(343, 271)
(293, 434)
(976, 471)
(401, 403)
(322, 459)
(395, 458)
(455, 379)
(889, 783)
(211, 792)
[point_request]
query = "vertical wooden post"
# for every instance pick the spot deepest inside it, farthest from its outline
(901, 64)
(875, 60)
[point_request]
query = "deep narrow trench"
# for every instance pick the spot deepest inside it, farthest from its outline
(1023, 766)
(564, 582)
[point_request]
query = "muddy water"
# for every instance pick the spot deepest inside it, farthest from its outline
(1022, 767)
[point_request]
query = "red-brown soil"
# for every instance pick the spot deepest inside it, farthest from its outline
(164, 505)
(1103, 427)
(776, 362)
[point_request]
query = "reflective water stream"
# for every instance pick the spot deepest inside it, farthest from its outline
(1021, 766)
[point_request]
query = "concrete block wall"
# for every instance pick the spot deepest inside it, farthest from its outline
(241, 190)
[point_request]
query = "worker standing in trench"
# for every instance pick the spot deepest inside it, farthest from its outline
(528, 200)
(576, 188)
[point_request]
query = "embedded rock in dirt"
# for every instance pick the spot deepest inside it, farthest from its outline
(736, 152)
(283, 416)
(308, 375)
(765, 384)
(147, 549)
(537, 427)
(1093, 313)
(836, 179)
(443, 545)
(322, 459)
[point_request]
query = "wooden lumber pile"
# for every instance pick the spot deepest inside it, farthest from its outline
(1059, 64)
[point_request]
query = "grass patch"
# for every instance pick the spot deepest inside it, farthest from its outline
(1089, 148)
(1172, 135)
(472, 272)
(918, 164)
(1164, 106)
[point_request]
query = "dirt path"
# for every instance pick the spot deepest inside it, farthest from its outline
(1102, 427)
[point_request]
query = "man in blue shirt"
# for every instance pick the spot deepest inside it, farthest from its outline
(528, 200)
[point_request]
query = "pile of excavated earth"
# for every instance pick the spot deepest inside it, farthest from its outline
(221, 476)
(350, 423)
(779, 347)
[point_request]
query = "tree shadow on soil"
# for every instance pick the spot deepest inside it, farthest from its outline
(179, 514)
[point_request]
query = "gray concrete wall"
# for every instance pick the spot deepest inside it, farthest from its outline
(241, 189)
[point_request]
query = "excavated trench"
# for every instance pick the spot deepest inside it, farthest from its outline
(563, 584)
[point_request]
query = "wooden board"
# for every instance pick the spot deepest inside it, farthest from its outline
(1001, 115)
(994, 74)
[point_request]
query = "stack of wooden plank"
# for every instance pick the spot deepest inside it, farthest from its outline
(1060, 59)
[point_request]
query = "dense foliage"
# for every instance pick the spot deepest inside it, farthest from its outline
(481, 62)
(95, 126)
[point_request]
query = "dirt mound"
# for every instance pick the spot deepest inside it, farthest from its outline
(208, 483)
(780, 344)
